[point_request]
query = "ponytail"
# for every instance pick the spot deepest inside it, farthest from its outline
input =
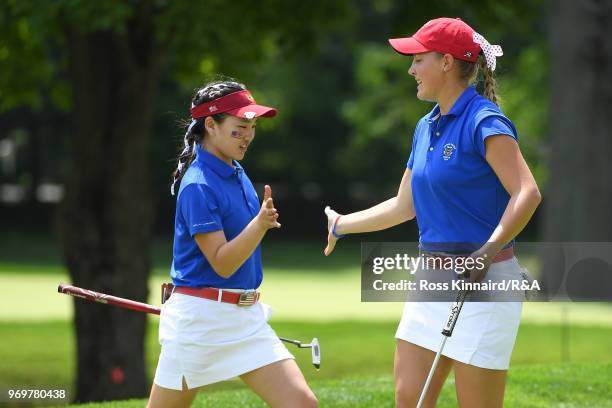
(469, 71)
(193, 136)
(490, 84)
(195, 131)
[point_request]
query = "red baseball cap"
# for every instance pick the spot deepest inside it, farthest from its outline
(240, 104)
(445, 35)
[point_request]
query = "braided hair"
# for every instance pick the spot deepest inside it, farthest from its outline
(490, 84)
(195, 131)
(469, 71)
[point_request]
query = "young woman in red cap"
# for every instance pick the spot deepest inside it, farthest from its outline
(468, 186)
(213, 327)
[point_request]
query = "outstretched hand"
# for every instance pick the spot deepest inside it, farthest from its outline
(268, 215)
(331, 239)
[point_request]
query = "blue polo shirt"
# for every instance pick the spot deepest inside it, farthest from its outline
(458, 198)
(213, 196)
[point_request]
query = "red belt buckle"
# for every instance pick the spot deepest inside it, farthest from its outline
(248, 298)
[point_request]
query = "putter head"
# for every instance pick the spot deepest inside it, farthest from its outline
(316, 353)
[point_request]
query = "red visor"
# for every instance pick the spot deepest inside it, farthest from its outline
(240, 104)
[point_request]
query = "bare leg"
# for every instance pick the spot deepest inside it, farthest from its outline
(412, 364)
(281, 384)
(479, 387)
(166, 398)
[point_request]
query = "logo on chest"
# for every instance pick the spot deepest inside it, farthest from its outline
(448, 151)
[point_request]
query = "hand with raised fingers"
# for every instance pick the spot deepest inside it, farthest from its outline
(268, 215)
(332, 236)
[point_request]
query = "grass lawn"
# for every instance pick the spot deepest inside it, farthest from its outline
(537, 386)
(41, 355)
(291, 271)
(331, 296)
(562, 357)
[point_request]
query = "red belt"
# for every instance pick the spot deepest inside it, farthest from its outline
(503, 255)
(247, 298)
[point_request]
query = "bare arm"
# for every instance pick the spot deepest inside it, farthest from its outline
(226, 257)
(394, 211)
(505, 158)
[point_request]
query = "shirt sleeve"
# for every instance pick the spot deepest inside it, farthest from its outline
(200, 210)
(492, 125)
(410, 160)
(414, 138)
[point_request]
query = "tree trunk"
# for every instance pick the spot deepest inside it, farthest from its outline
(106, 216)
(579, 192)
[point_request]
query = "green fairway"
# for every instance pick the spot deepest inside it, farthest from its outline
(36, 355)
(562, 356)
(537, 386)
(299, 283)
(301, 295)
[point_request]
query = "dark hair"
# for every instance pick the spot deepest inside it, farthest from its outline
(469, 71)
(194, 129)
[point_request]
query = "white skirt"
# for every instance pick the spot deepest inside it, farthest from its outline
(206, 341)
(485, 332)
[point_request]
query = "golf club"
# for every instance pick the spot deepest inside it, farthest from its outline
(313, 345)
(147, 308)
(446, 333)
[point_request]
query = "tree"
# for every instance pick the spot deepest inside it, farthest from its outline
(103, 61)
(579, 192)
(580, 189)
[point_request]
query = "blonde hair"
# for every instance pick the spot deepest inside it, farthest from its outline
(469, 71)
